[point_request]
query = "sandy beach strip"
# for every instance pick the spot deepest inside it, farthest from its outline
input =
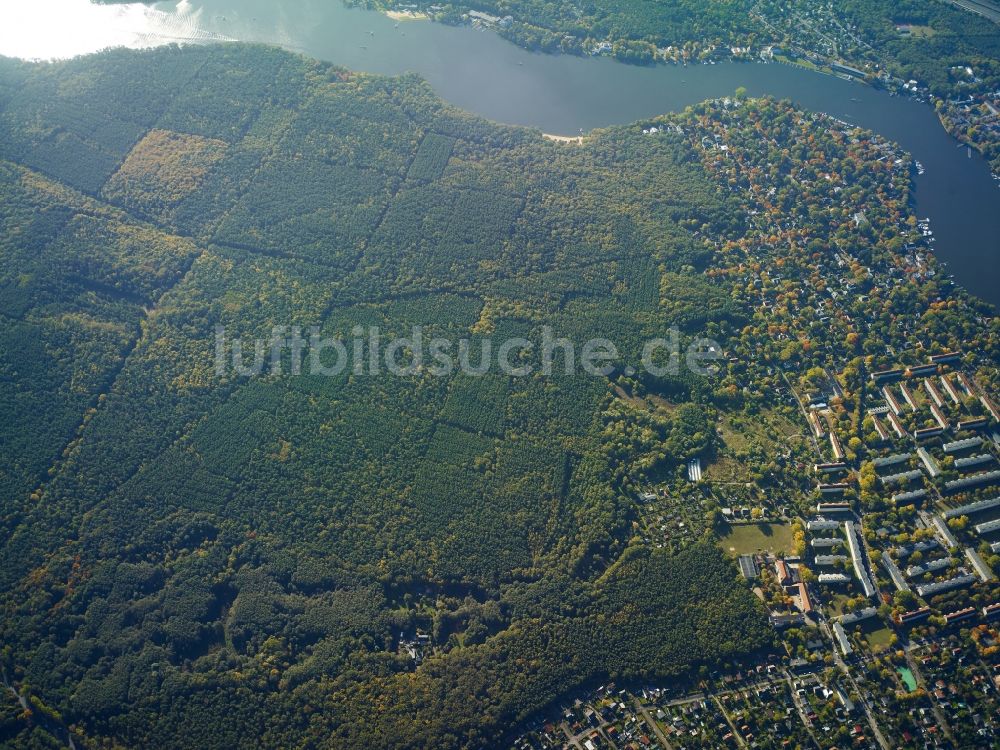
(578, 139)
(406, 15)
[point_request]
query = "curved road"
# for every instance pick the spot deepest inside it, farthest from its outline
(979, 7)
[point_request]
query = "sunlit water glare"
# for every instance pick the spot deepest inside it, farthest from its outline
(58, 29)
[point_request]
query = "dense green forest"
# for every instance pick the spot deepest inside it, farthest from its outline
(957, 38)
(196, 560)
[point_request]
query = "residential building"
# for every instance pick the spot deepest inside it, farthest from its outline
(921, 371)
(970, 508)
(858, 557)
(929, 463)
(961, 445)
(972, 424)
(829, 559)
(879, 428)
(903, 477)
(895, 458)
(887, 375)
(782, 572)
(991, 407)
(929, 589)
(842, 640)
(944, 532)
(988, 527)
(987, 477)
(984, 571)
(908, 618)
(894, 574)
(825, 542)
(952, 618)
(862, 614)
(897, 426)
(906, 550)
(834, 488)
(928, 567)
(823, 524)
(950, 390)
(785, 619)
(972, 462)
(804, 603)
(824, 508)
(833, 578)
(891, 401)
(905, 498)
(933, 392)
(940, 359)
(836, 447)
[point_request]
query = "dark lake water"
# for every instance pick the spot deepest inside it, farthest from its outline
(480, 72)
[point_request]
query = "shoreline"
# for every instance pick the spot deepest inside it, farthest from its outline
(406, 15)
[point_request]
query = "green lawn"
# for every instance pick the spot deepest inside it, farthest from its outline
(835, 604)
(742, 539)
(879, 639)
(800, 61)
(915, 31)
(725, 469)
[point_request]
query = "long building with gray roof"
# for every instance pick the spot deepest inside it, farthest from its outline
(909, 497)
(928, 567)
(984, 571)
(929, 589)
(858, 556)
(904, 477)
(893, 570)
(895, 458)
(988, 527)
(962, 445)
(976, 507)
(829, 559)
(842, 640)
(822, 524)
(929, 463)
(987, 477)
(944, 532)
(963, 464)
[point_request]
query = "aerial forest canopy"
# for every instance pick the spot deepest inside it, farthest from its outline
(203, 560)
(195, 557)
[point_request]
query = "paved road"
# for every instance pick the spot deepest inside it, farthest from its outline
(845, 670)
(578, 738)
(573, 739)
(942, 722)
(736, 733)
(652, 724)
(805, 415)
(56, 728)
(979, 7)
(797, 701)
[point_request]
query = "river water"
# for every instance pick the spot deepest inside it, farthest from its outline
(480, 72)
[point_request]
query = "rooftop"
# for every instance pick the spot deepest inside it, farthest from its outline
(939, 586)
